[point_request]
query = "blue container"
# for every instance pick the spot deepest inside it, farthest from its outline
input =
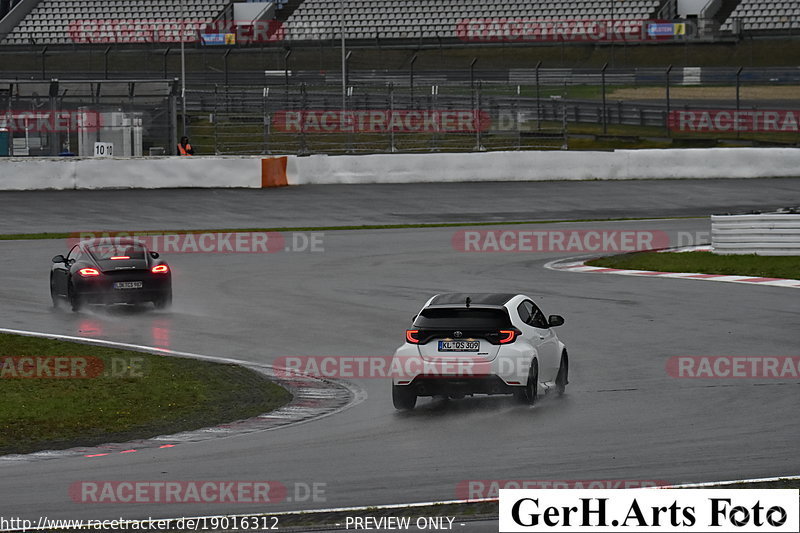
(5, 142)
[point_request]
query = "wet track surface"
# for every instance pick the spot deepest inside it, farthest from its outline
(623, 417)
(328, 205)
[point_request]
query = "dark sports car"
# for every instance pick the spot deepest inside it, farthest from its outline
(110, 271)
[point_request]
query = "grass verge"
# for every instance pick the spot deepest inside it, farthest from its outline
(121, 395)
(705, 263)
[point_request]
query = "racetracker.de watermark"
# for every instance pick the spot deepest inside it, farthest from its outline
(247, 242)
(733, 367)
(84, 31)
(559, 240)
(58, 121)
(482, 489)
(388, 367)
(71, 367)
(721, 120)
(570, 30)
(382, 120)
(199, 492)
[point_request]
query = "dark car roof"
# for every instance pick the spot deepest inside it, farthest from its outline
(125, 241)
(480, 298)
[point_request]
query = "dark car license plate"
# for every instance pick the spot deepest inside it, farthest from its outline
(128, 285)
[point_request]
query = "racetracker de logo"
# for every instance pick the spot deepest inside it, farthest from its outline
(258, 242)
(382, 120)
(733, 367)
(382, 367)
(59, 121)
(720, 120)
(483, 489)
(173, 31)
(51, 367)
(651, 510)
(575, 30)
(559, 240)
(202, 492)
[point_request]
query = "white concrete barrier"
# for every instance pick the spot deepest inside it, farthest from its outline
(764, 234)
(122, 173)
(207, 172)
(546, 165)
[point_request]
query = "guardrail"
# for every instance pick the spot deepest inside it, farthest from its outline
(762, 234)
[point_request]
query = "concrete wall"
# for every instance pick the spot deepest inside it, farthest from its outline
(171, 172)
(144, 173)
(546, 165)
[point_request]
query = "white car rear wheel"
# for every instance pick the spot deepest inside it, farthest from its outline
(528, 393)
(403, 397)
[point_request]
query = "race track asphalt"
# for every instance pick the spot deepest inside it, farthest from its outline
(623, 418)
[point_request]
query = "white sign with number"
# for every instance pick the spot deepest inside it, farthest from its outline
(103, 149)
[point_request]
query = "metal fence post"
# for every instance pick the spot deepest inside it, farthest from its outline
(517, 120)
(349, 117)
(166, 57)
(303, 107)
(225, 60)
(215, 119)
(603, 82)
(266, 118)
(286, 75)
(435, 136)
(44, 58)
(105, 62)
(738, 98)
(478, 141)
(472, 79)
(411, 79)
(392, 147)
(53, 139)
(669, 103)
(173, 119)
(538, 99)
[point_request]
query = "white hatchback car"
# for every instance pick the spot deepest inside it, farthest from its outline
(465, 344)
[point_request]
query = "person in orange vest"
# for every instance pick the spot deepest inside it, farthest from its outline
(184, 148)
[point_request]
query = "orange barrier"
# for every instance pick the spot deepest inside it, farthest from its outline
(273, 172)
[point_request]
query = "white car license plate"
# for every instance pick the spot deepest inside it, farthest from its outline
(459, 346)
(128, 285)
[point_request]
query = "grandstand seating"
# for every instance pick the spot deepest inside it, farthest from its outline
(765, 15)
(49, 21)
(414, 19)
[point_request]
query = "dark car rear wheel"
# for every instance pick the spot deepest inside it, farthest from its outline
(562, 378)
(403, 397)
(53, 296)
(75, 299)
(528, 393)
(164, 301)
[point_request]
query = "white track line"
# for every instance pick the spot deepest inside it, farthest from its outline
(732, 482)
(577, 264)
(426, 504)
